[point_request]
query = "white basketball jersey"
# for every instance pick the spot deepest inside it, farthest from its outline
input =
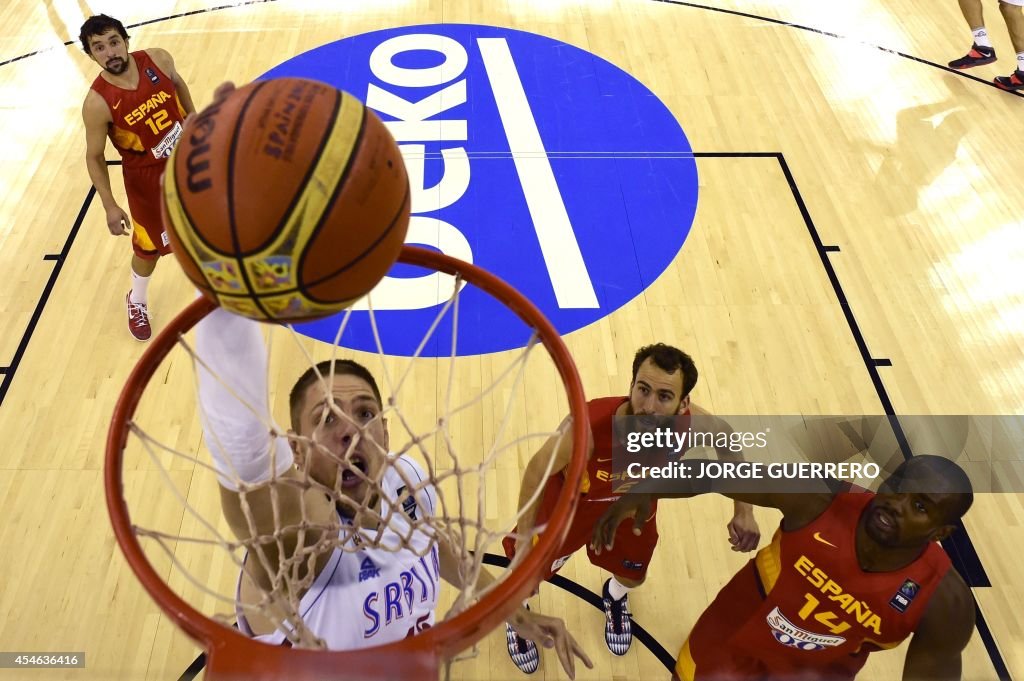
(372, 596)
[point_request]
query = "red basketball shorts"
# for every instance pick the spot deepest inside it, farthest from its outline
(143, 188)
(630, 556)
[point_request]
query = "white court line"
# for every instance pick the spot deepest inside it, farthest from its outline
(568, 272)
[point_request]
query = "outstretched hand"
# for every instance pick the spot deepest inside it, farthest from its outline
(550, 632)
(635, 506)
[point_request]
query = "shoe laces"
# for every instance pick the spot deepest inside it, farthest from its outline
(618, 611)
(138, 313)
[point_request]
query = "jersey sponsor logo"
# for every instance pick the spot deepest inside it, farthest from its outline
(541, 162)
(788, 634)
(116, 105)
(632, 565)
(368, 570)
(847, 603)
(166, 145)
(818, 537)
(902, 599)
(140, 112)
(559, 562)
(153, 78)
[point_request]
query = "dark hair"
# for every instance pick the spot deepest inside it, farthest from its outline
(342, 367)
(98, 25)
(941, 476)
(670, 359)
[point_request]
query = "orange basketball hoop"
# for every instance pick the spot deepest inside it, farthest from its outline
(232, 655)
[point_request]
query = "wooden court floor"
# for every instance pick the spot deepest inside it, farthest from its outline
(911, 298)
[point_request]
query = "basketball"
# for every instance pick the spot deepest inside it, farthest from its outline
(286, 201)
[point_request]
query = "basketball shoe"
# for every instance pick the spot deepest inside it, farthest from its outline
(978, 56)
(1013, 82)
(138, 319)
(524, 653)
(618, 627)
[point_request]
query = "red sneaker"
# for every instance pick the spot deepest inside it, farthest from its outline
(138, 319)
(978, 56)
(1013, 82)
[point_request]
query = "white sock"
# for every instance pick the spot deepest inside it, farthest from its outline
(981, 37)
(1020, 61)
(139, 286)
(617, 590)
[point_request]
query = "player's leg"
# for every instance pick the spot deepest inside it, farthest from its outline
(981, 51)
(1013, 14)
(524, 652)
(149, 242)
(137, 303)
(628, 562)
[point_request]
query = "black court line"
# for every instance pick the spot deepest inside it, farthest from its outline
(641, 634)
(57, 258)
(811, 29)
(678, 3)
(589, 596)
(194, 668)
(959, 546)
(144, 23)
(962, 552)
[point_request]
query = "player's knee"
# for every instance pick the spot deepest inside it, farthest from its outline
(1009, 9)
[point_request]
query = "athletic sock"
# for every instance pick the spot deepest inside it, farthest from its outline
(617, 590)
(981, 37)
(140, 285)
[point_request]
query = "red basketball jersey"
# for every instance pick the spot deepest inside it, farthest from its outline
(147, 121)
(600, 481)
(804, 603)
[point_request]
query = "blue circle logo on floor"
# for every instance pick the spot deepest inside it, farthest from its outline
(538, 161)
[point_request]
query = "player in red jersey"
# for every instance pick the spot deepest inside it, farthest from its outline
(140, 102)
(663, 377)
(845, 575)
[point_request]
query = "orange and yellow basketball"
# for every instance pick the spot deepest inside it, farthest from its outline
(286, 201)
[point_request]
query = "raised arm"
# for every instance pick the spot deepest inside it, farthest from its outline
(943, 633)
(234, 412)
(551, 458)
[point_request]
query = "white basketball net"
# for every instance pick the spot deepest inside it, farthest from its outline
(476, 482)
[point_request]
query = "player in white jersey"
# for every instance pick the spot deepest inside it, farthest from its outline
(394, 588)
(357, 598)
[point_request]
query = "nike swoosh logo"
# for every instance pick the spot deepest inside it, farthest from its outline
(603, 460)
(117, 105)
(817, 536)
